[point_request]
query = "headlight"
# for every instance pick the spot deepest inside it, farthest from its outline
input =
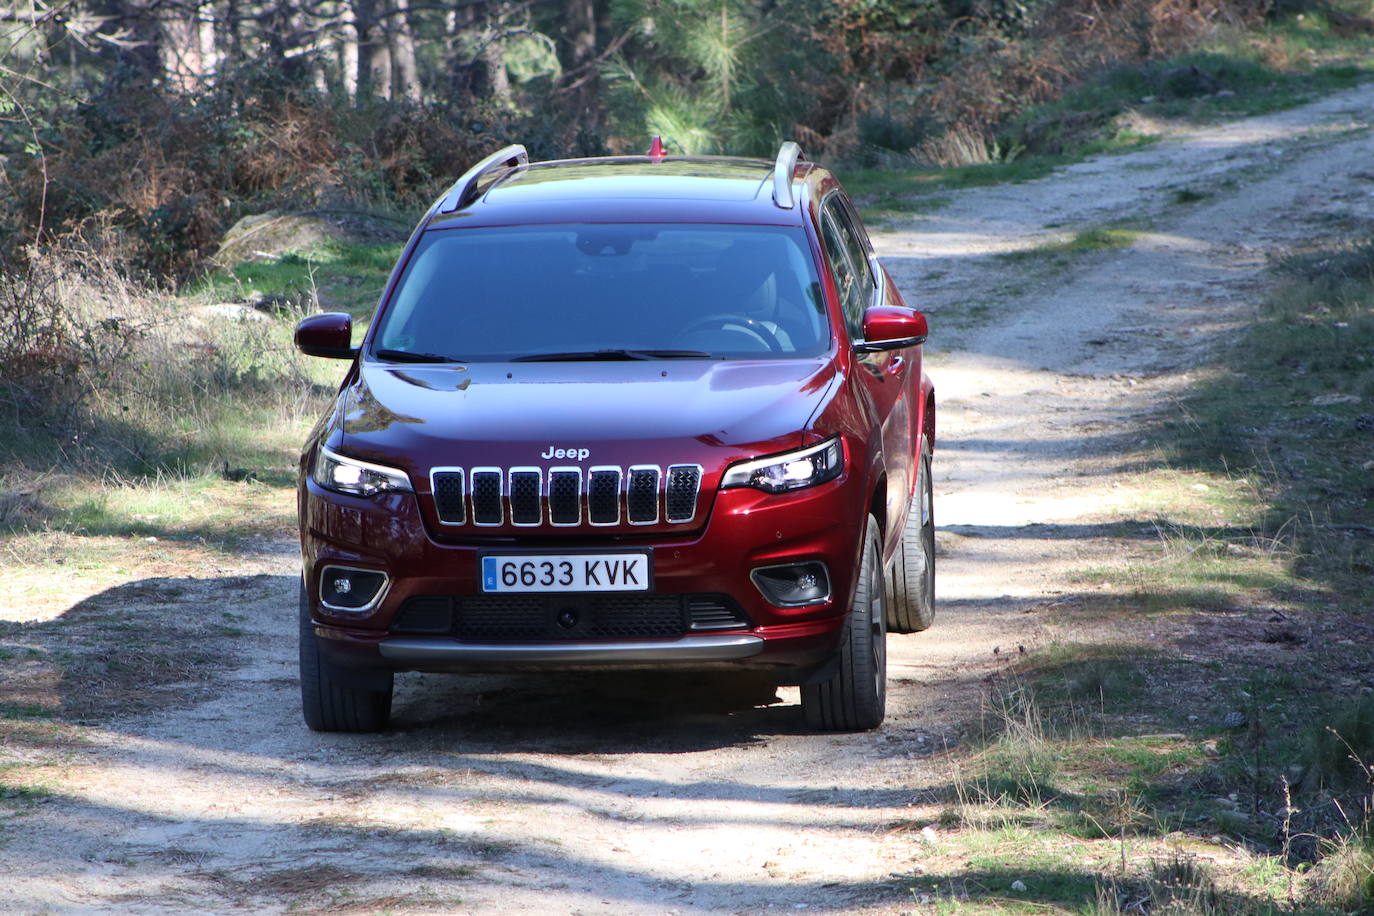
(789, 471)
(349, 475)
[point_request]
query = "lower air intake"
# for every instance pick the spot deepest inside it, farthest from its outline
(498, 619)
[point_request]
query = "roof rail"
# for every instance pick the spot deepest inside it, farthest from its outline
(464, 190)
(788, 154)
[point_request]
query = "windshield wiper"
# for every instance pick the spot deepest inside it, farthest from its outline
(405, 356)
(589, 355)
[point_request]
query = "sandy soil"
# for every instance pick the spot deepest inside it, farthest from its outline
(637, 794)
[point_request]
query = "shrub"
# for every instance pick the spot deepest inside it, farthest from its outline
(97, 373)
(168, 175)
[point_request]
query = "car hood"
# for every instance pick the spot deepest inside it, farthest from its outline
(620, 413)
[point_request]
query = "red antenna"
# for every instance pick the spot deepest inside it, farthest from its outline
(656, 150)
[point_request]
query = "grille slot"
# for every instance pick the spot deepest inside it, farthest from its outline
(714, 612)
(501, 618)
(684, 482)
(486, 496)
(449, 496)
(643, 616)
(603, 496)
(424, 615)
(565, 496)
(641, 496)
(524, 496)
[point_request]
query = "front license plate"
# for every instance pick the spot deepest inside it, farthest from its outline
(574, 572)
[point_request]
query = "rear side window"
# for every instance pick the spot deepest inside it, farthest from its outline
(500, 293)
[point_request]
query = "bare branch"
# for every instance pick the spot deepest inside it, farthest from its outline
(580, 75)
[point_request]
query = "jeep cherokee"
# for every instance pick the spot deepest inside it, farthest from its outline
(637, 411)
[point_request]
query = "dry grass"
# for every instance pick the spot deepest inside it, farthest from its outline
(97, 373)
(1345, 877)
(325, 888)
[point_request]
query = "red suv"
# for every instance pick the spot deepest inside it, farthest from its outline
(638, 411)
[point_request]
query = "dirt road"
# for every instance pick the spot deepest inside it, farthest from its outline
(642, 794)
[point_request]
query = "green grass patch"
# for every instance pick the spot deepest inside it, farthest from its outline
(1087, 240)
(80, 535)
(1065, 675)
(21, 793)
(339, 275)
(205, 508)
(1341, 752)
(1192, 571)
(888, 193)
(1293, 408)
(1212, 543)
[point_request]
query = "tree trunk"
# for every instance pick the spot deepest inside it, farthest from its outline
(232, 50)
(493, 58)
(579, 25)
(374, 58)
(403, 53)
(209, 47)
(457, 28)
(348, 39)
(178, 50)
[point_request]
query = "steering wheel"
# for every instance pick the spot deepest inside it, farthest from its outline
(727, 321)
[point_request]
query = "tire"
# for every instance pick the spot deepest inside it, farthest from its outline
(911, 577)
(854, 698)
(328, 705)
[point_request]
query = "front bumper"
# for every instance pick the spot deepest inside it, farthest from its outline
(430, 652)
(746, 529)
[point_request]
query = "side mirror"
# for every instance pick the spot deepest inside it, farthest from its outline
(329, 334)
(892, 327)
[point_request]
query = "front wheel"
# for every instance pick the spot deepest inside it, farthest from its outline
(911, 577)
(854, 698)
(330, 704)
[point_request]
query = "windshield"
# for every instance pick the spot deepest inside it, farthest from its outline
(632, 291)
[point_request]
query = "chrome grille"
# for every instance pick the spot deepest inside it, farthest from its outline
(603, 496)
(641, 495)
(565, 496)
(524, 496)
(684, 480)
(486, 496)
(450, 498)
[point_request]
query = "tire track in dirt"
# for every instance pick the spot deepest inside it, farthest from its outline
(651, 794)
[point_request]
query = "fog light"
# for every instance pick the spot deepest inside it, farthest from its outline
(794, 584)
(343, 588)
